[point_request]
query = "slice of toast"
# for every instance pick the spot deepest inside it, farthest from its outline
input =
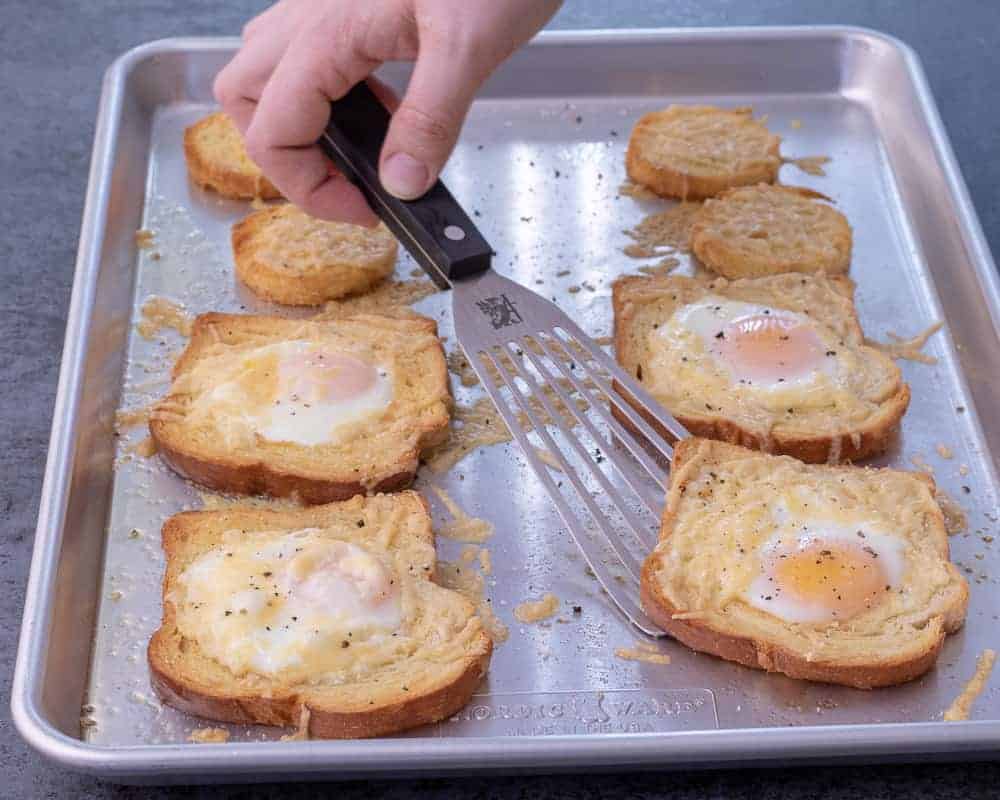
(847, 410)
(840, 530)
(223, 654)
(217, 160)
(319, 410)
(286, 256)
(694, 152)
(766, 230)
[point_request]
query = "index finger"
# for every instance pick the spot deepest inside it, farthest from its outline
(293, 111)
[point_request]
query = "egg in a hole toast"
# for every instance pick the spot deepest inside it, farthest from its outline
(321, 410)
(777, 363)
(836, 574)
(330, 609)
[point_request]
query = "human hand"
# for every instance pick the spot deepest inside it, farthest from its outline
(299, 55)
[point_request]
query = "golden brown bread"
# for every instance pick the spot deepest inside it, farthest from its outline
(438, 656)
(286, 256)
(217, 160)
(693, 152)
(690, 582)
(219, 447)
(766, 230)
(855, 419)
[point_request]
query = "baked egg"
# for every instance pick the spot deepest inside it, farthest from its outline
(297, 391)
(764, 351)
(292, 604)
(817, 568)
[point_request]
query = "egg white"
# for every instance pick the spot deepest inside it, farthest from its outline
(287, 415)
(297, 601)
(706, 320)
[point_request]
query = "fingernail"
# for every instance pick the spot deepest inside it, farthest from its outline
(404, 176)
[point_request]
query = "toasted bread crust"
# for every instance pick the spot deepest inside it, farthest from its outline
(770, 656)
(866, 441)
(669, 176)
(209, 170)
(325, 268)
(869, 439)
(217, 469)
(364, 716)
(262, 478)
(433, 706)
(761, 230)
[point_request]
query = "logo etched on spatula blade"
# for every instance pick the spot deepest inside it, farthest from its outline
(501, 311)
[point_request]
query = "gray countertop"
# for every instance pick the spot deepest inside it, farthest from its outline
(53, 55)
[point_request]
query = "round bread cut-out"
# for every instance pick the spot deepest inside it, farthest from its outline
(217, 160)
(286, 256)
(766, 230)
(694, 152)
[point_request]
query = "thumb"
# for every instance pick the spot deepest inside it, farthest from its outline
(426, 125)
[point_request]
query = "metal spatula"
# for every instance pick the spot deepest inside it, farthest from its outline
(548, 379)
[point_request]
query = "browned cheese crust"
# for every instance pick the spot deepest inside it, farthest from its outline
(694, 152)
(217, 160)
(766, 230)
(288, 257)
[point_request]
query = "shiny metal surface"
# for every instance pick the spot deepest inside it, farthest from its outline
(521, 346)
(540, 160)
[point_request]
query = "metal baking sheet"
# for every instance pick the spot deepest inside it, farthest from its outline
(540, 162)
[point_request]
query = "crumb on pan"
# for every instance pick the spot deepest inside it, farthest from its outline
(145, 238)
(961, 707)
(811, 165)
(955, 518)
(908, 349)
(462, 528)
(642, 651)
(159, 313)
(471, 585)
(209, 736)
(386, 298)
(537, 610)
(663, 233)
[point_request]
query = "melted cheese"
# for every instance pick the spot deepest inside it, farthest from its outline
(688, 376)
(281, 392)
(726, 516)
(296, 604)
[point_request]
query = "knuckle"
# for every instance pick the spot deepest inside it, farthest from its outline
(223, 89)
(257, 145)
(251, 27)
(431, 128)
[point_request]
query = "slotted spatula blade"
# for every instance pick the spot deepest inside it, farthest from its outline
(552, 385)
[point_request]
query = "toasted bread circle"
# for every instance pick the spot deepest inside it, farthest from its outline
(846, 409)
(286, 256)
(217, 160)
(726, 505)
(254, 405)
(694, 152)
(421, 668)
(766, 230)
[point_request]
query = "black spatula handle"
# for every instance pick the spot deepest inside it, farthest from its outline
(434, 228)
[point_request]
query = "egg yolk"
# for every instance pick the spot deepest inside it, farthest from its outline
(768, 348)
(834, 580)
(324, 377)
(327, 577)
